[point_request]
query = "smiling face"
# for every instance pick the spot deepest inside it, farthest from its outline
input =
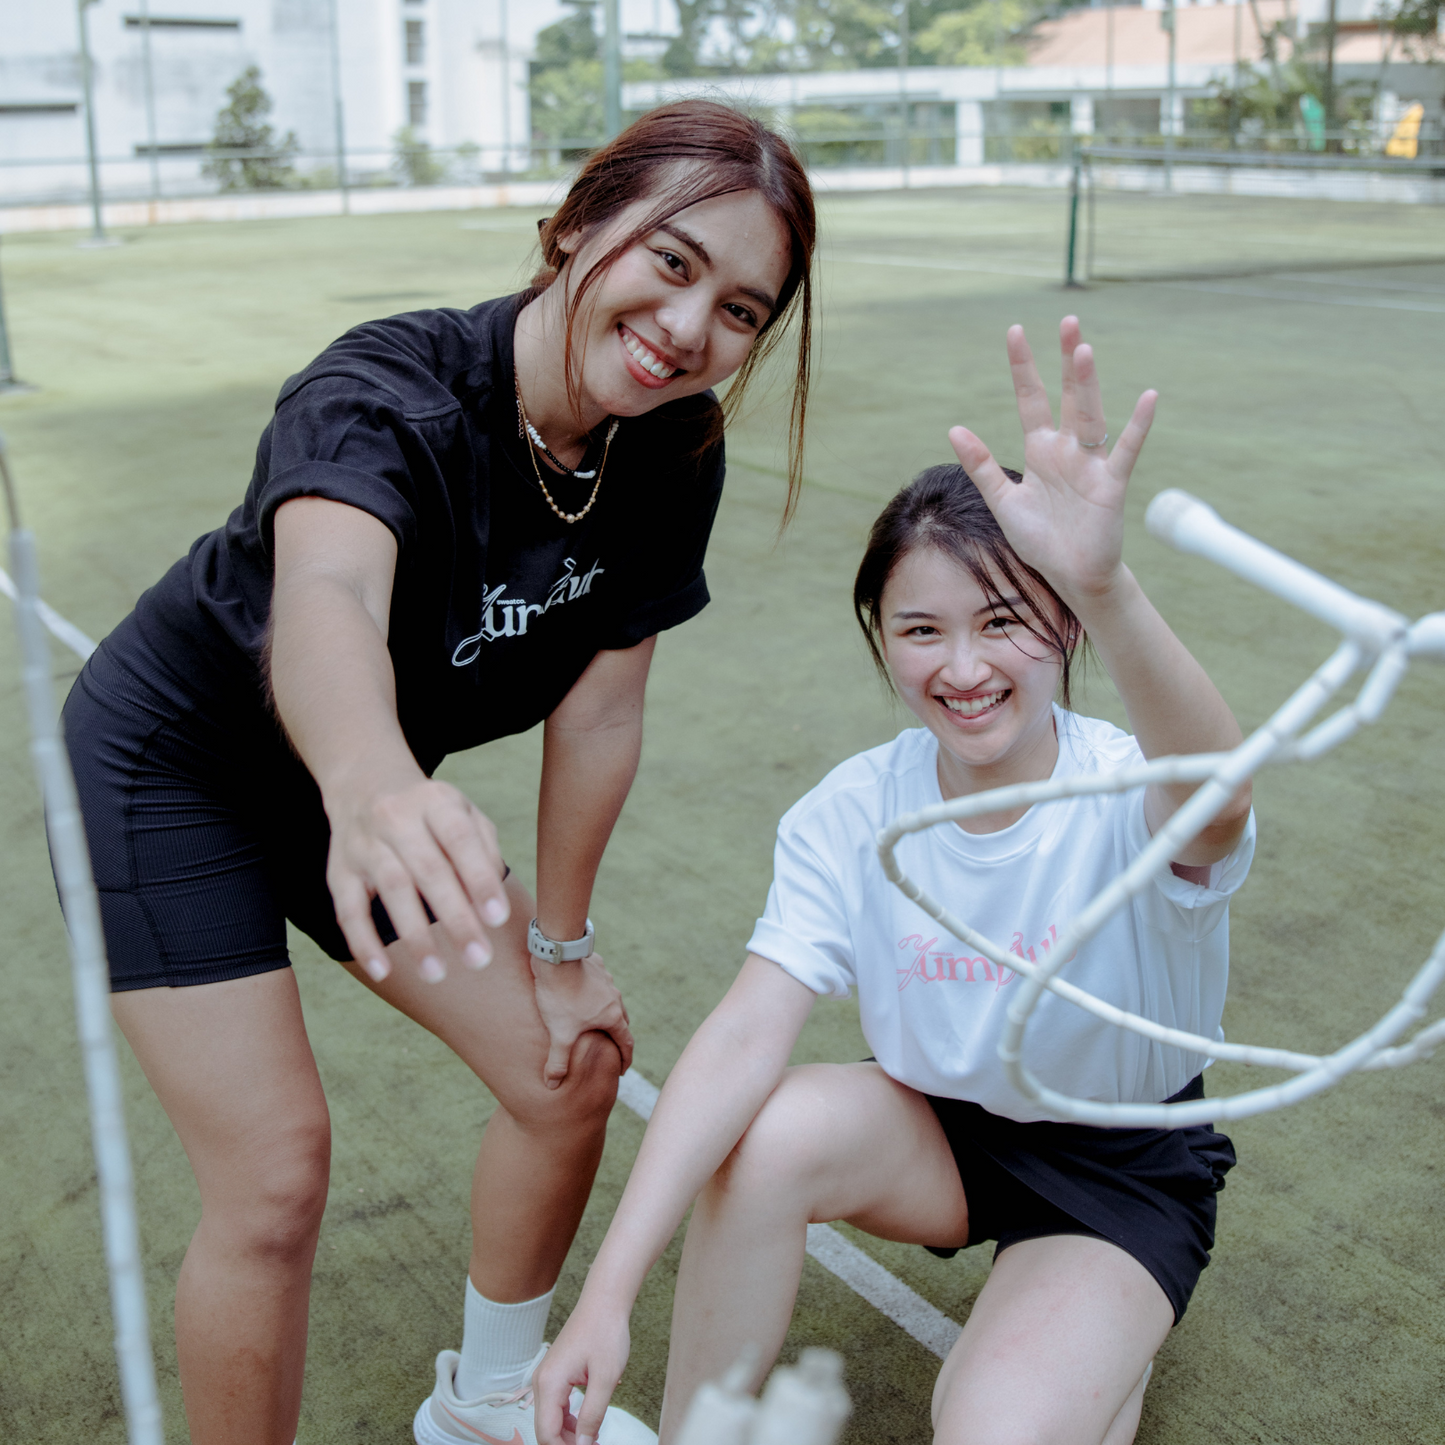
(678, 311)
(971, 671)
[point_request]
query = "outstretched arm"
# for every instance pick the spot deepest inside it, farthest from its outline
(733, 1062)
(395, 833)
(1066, 518)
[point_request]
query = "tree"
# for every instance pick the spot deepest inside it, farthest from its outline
(987, 33)
(241, 125)
(731, 37)
(566, 79)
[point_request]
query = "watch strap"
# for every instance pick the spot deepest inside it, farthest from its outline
(552, 950)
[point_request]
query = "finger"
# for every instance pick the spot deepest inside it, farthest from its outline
(1131, 439)
(1085, 414)
(467, 837)
(559, 1059)
(353, 913)
(398, 893)
(1029, 391)
(552, 1416)
(979, 463)
(621, 1034)
(594, 1407)
(450, 902)
(1069, 337)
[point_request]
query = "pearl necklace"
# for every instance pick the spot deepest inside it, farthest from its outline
(526, 429)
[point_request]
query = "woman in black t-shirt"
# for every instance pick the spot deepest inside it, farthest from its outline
(460, 524)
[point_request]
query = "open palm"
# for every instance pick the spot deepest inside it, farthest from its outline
(1066, 518)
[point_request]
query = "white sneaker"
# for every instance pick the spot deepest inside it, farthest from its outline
(503, 1419)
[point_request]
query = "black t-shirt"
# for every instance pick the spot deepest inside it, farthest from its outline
(498, 605)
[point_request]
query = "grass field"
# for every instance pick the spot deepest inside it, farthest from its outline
(1307, 414)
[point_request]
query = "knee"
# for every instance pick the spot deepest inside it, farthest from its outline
(271, 1203)
(583, 1100)
(783, 1151)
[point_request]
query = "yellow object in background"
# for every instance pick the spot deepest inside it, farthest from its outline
(1406, 140)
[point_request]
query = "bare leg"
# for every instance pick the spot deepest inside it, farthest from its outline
(542, 1146)
(833, 1142)
(1057, 1342)
(232, 1068)
(1054, 1349)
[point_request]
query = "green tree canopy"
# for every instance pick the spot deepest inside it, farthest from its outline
(241, 125)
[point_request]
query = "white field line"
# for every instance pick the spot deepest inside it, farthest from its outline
(862, 1274)
(928, 263)
(865, 1276)
(1378, 303)
(55, 624)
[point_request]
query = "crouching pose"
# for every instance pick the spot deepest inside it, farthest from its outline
(975, 593)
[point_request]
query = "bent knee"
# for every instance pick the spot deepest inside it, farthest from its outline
(585, 1096)
(784, 1144)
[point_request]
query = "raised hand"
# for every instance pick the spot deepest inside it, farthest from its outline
(1066, 518)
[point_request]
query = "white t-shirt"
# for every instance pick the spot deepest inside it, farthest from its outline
(932, 1009)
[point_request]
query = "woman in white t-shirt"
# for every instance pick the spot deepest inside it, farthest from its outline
(975, 593)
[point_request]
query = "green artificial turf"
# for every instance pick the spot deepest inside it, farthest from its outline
(1307, 413)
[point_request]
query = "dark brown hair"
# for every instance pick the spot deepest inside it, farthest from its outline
(678, 156)
(942, 508)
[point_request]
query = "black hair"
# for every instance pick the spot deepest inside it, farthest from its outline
(941, 507)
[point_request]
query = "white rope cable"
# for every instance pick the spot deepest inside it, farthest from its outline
(1372, 634)
(56, 625)
(114, 1178)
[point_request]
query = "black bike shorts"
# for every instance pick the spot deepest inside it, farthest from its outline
(206, 831)
(1151, 1192)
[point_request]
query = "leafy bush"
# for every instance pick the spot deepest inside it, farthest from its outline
(412, 160)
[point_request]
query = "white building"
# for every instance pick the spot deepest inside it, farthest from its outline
(455, 71)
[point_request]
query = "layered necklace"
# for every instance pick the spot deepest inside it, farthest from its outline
(529, 433)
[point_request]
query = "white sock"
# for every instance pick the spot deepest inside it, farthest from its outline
(499, 1343)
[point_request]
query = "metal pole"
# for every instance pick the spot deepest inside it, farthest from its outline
(339, 118)
(97, 235)
(1332, 30)
(1171, 16)
(8, 380)
(611, 70)
(1109, 48)
(114, 1178)
(148, 74)
(1070, 281)
(903, 127)
(506, 89)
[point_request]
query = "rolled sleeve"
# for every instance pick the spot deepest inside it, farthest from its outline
(1184, 909)
(345, 443)
(804, 928)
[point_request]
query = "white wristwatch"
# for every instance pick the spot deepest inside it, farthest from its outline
(551, 950)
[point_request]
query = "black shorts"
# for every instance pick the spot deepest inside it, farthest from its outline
(206, 832)
(1149, 1191)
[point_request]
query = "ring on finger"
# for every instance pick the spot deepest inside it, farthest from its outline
(1091, 445)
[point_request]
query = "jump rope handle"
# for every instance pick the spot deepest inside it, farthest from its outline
(1189, 525)
(804, 1404)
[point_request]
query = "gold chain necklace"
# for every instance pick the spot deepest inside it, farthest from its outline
(530, 434)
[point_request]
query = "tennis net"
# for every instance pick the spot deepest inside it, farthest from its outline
(1143, 214)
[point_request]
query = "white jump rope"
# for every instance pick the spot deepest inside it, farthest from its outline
(807, 1405)
(1374, 638)
(92, 990)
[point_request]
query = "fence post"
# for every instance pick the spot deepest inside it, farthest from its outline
(8, 380)
(1071, 282)
(97, 235)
